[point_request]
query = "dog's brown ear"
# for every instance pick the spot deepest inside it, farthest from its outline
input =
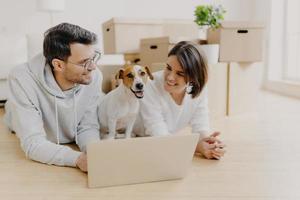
(149, 73)
(120, 74)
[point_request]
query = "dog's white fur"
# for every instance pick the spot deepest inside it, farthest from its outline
(119, 108)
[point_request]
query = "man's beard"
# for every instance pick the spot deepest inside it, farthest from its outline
(83, 80)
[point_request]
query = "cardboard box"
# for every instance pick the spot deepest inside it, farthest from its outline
(132, 58)
(217, 90)
(239, 41)
(182, 29)
(154, 67)
(243, 87)
(155, 50)
(108, 72)
(121, 35)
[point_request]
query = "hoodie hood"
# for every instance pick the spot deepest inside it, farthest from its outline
(45, 77)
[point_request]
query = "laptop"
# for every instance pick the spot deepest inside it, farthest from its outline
(139, 160)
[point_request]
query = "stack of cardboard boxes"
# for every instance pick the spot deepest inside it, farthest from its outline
(241, 47)
(137, 39)
(147, 42)
(126, 36)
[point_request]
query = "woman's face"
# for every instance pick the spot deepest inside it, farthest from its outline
(174, 77)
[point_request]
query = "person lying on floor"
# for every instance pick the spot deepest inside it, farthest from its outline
(177, 97)
(53, 98)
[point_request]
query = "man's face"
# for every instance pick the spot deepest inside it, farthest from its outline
(74, 72)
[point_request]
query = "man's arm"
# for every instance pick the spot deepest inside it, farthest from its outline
(88, 128)
(25, 119)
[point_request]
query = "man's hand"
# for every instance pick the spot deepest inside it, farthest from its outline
(211, 147)
(81, 162)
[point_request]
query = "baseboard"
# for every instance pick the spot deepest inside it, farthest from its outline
(286, 88)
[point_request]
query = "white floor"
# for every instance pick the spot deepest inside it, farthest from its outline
(262, 162)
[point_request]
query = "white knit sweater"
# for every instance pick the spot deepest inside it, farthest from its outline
(161, 115)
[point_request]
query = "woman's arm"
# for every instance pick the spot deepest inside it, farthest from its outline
(151, 113)
(209, 145)
(200, 116)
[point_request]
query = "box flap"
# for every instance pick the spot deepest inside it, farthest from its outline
(116, 20)
(163, 40)
(122, 20)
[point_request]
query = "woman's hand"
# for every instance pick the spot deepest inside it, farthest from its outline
(211, 147)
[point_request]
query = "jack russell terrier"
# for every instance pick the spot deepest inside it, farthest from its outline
(119, 108)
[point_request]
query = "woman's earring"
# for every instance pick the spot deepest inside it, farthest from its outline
(189, 88)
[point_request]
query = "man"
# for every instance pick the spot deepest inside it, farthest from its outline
(53, 98)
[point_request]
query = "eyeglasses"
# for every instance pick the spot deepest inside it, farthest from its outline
(89, 63)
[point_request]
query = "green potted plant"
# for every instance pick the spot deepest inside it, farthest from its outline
(209, 16)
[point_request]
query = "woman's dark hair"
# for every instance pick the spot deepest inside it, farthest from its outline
(57, 40)
(194, 64)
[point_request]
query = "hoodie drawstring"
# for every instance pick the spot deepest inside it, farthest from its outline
(75, 117)
(56, 119)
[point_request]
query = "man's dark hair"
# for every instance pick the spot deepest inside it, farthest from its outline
(57, 40)
(194, 64)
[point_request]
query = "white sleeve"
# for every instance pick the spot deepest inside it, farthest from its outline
(88, 128)
(200, 117)
(26, 121)
(151, 113)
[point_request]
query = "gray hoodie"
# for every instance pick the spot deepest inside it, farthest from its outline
(43, 116)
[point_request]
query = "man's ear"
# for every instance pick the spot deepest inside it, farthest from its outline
(149, 73)
(58, 65)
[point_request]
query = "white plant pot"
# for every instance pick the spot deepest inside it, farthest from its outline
(212, 52)
(202, 33)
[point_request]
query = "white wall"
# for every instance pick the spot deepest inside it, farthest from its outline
(276, 41)
(20, 16)
(273, 11)
(262, 13)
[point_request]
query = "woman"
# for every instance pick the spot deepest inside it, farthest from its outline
(177, 97)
